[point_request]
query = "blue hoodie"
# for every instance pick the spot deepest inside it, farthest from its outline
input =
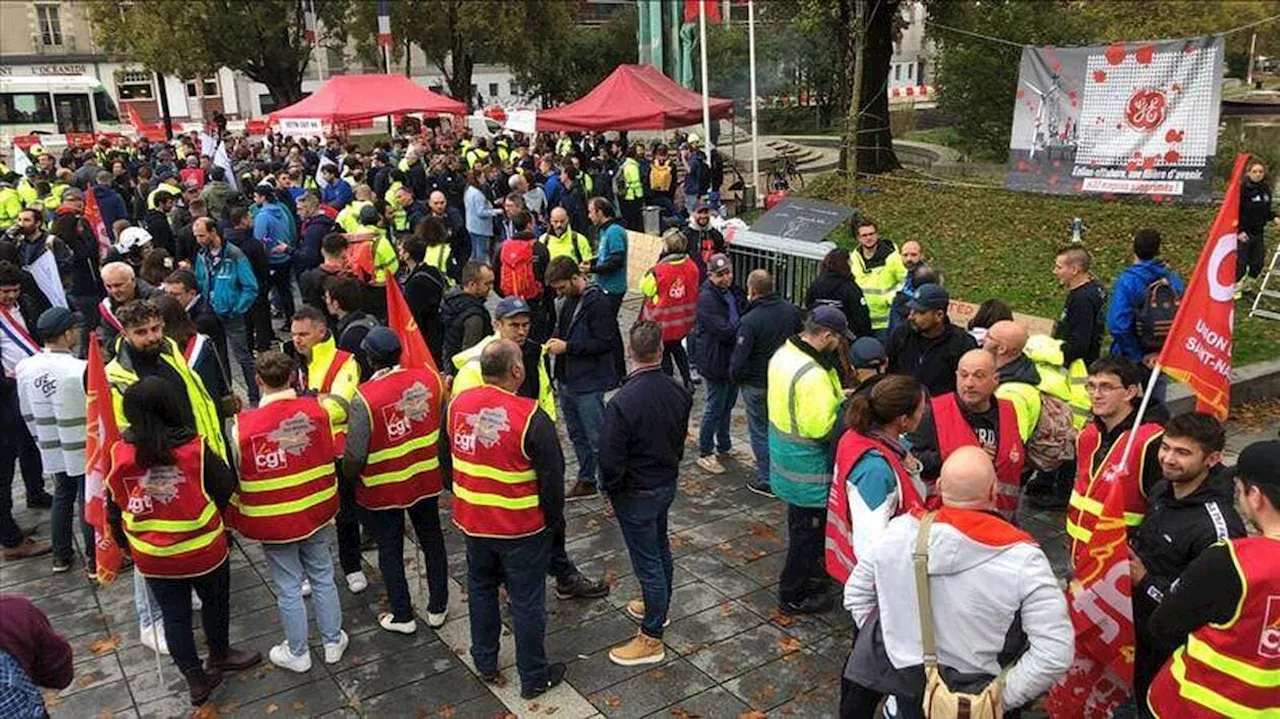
(273, 229)
(1129, 294)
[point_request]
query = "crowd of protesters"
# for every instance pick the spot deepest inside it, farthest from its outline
(242, 309)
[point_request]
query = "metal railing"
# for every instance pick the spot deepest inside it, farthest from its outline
(792, 263)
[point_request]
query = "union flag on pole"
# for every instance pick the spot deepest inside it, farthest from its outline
(1101, 606)
(1198, 350)
(413, 348)
(93, 215)
(101, 434)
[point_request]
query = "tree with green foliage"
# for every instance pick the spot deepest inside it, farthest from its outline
(262, 39)
(558, 70)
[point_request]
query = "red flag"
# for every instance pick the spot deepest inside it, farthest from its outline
(1101, 606)
(93, 215)
(1198, 350)
(691, 10)
(413, 348)
(100, 435)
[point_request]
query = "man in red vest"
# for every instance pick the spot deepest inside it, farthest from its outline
(508, 491)
(973, 416)
(1224, 611)
(286, 499)
(671, 299)
(392, 456)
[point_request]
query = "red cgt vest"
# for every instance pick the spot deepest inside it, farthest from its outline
(675, 307)
(954, 432)
(495, 490)
(174, 528)
(1230, 669)
(839, 540)
(1091, 486)
(403, 465)
(288, 487)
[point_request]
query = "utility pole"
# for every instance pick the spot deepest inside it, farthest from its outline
(852, 120)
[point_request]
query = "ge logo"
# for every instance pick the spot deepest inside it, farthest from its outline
(1146, 109)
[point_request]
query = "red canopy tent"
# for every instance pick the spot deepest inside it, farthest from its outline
(633, 97)
(350, 98)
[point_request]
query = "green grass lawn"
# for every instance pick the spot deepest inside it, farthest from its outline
(993, 243)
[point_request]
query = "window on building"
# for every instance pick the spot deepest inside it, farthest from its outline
(493, 89)
(897, 73)
(911, 71)
(21, 108)
(50, 23)
(210, 87)
(266, 102)
(515, 88)
(134, 86)
(334, 61)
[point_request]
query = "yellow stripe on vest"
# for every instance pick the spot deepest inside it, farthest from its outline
(169, 525)
(494, 500)
(1208, 698)
(401, 450)
(1265, 678)
(190, 545)
(275, 510)
(497, 475)
(292, 480)
(401, 475)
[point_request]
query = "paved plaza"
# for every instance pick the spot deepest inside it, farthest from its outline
(729, 652)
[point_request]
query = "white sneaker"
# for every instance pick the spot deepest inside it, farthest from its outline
(436, 620)
(306, 588)
(388, 622)
(357, 582)
(333, 652)
(283, 657)
(710, 464)
(153, 638)
(196, 604)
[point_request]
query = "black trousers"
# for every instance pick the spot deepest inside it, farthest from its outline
(674, 350)
(347, 524)
(619, 350)
(17, 446)
(806, 533)
(388, 526)
(258, 324)
(1252, 258)
(174, 598)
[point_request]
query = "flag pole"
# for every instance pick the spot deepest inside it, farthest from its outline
(755, 133)
(706, 97)
(1142, 411)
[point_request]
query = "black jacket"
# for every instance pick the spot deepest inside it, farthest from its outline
(701, 243)
(311, 285)
(256, 253)
(1255, 206)
(717, 331)
(206, 322)
(1081, 323)
(924, 440)
(1021, 369)
(932, 361)
(78, 237)
(769, 321)
(161, 233)
(588, 326)
(349, 332)
(424, 289)
(312, 233)
(643, 436)
(843, 294)
(465, 320)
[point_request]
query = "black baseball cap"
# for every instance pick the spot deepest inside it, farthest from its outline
(830, 318)
(381, 346)
(1259, 463)
(929, 297)
(56, 320)
(867, 353)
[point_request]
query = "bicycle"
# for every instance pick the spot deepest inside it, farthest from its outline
(784, 172)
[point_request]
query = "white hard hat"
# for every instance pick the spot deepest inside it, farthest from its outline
(130, 238)
(694, 139)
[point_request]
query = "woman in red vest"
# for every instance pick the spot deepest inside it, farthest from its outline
(167, 490)
(670, 289)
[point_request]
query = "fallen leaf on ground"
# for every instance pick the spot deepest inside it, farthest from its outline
(103, 646)
(680, 712)
(298, 705)
(445, 712)
(205, 711)
(777, 617)
(610, 578)
(106, 714)
(656, 673)
(788, 644)
(753, 714)
(551, 710)
(613, 702)
(272, 708)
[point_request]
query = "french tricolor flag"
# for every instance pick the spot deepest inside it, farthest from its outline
(384, 23)
(309, 22)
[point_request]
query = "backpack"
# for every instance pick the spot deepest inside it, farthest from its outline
(1155, 314)
(1053, 441)
(660, 177)
(367, 322)
(518, 277)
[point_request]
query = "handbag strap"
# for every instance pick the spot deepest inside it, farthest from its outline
(921, 558)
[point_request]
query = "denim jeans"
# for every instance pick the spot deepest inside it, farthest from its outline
(721, 396)
(68, 502)
(293, 562)
(480, 247)
(755, 399)
(238, 347)
(806, 533)
(18, 446)
(583, 414)
(642, 517)
(144, 602)
(521, 565)
(388, 527)
(174, 597)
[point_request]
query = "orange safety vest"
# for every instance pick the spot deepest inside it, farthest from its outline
(1230, 669)
(1091, 487)
(839, 540)
(173, 527)
(403, 465)
(954, 432)
(495, 490)
(288, 486)
(675, 306)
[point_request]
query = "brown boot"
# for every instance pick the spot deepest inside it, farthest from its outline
(28, 548)
(201, 683)
(581, 490)
(234, 660)
(642, 649)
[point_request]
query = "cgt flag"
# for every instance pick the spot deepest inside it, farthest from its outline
(101, 435)
(1198, 350)
(1101, 606)
(413, 347)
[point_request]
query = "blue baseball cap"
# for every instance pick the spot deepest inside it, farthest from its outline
(510, 307)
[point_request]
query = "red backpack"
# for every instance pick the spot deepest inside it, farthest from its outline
(518, 277)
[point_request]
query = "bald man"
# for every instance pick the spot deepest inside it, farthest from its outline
(972, 552)
(560, 239)
(973, 416)
(1019, 378)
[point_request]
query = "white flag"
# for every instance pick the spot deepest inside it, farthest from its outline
(208, 143)
(324, 160)
(21, 163)
(220, 159)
